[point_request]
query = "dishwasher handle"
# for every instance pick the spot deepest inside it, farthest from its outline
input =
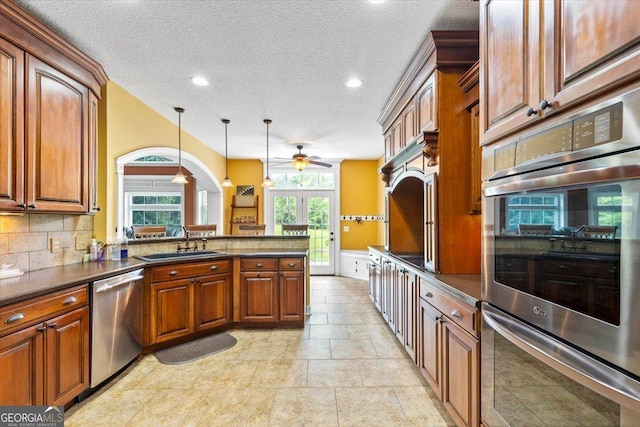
(126, 281)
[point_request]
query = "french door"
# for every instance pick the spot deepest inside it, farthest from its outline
(312, 207)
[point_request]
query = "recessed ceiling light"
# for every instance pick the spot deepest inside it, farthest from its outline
(199, 81)
(354, 82)
(376, 1)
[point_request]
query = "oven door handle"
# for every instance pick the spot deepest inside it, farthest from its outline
(587, 371)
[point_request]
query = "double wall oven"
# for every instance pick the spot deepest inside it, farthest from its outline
(561, 272)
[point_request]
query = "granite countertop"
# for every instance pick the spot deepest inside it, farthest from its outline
(47, 280)
(465, 287)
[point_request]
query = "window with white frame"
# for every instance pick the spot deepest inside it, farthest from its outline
(535, 209)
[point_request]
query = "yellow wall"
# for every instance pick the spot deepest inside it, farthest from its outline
(381, 189)
(127, 124)
(359, 195)
(244, 172)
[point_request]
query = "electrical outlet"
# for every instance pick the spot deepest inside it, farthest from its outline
(81, 243)
(345, 228)
(54, 244)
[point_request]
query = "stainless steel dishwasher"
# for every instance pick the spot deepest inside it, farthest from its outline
(116, 331)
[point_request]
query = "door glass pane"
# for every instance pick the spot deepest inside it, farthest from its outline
(319, 229)
(284, 212)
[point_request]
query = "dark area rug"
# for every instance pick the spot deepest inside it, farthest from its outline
(195, 350)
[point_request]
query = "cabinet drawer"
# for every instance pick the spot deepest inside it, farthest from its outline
(291, 264)
(459, 312)
(181, 271)
(248, 264)
(28, 312)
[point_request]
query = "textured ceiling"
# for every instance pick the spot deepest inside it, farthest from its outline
(283, 60)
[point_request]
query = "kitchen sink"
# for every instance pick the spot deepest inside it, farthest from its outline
(179, 255)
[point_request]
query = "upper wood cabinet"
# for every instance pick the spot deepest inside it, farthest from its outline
(48, 99)
(542, 57)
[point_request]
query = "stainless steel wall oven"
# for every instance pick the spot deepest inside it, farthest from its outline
(561, 263)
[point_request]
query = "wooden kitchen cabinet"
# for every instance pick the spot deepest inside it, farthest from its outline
(536, 60)
(449, 353)
(48, 99)
(44, 349)
(272, 290)
(188, 298)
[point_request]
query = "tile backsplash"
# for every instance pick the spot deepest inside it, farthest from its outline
(25, 241)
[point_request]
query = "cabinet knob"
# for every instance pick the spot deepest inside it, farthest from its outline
(292, 264)
(456, 313)
(52, 325)
(530, 112)
(544, 104)
(259, 265)
(429, 295)
(69, 300)
(213, 267)
(173, 272)
(15, 318)
(31, 206)
(41, 329)
(22, 205)
(96, 208)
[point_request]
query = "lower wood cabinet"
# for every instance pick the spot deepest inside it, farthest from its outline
(186, 298)
(272, 290)
(46, 362)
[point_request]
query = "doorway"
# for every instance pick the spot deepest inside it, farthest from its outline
(312, 207)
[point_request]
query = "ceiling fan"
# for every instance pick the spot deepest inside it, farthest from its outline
(301, 160)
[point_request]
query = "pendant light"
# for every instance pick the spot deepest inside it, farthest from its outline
(179, 178)
(267, 181)
(227, 182)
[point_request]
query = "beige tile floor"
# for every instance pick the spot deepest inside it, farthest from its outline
(345, 368)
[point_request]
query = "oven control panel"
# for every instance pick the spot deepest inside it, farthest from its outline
(590, 130)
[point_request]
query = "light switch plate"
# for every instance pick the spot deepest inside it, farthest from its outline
(81, 243)
(345, 228)
(54, 244)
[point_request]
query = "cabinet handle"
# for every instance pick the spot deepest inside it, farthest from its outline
(52, 325)
(259, 265)
(530, 112)
(562, 267)
(15, 318)
(22, 205)
(456, 313)
(96, 208)
(69, 300)
(173, 272)
(544, 104)
(213, 267)
(292, 264)
(41, 329)
(31, 206)
(193, 280)
(429, 295)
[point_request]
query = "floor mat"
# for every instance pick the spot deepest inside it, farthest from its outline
(194, 350)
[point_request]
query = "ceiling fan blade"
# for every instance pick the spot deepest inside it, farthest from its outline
(315, 162)
(315, 157)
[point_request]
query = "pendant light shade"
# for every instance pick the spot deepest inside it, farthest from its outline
(179, 178)
(267, 181)
(227, 182)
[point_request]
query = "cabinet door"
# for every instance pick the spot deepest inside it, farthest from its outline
(291, 291)
(427, 111)
(430, 351)
(22, 361)
(57, 140)
(93, 153)
(475, 196)
(410, 311)
(388, 146)
(409, 123)
(400, 300)
(67, 356)
(430, 223)
(510, 65)
(171, 310)
(578, 67)
(12, 130)
(213, 301)
(461, 374)
(397, 136)
(259, 296)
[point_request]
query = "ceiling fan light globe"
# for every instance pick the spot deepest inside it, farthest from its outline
(300, 163)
